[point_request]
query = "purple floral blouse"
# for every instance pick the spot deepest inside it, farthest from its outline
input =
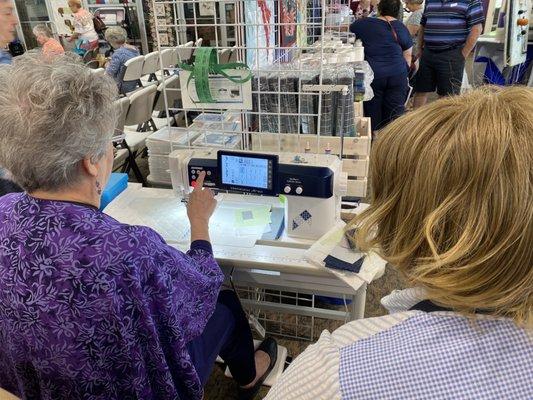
(94, 309)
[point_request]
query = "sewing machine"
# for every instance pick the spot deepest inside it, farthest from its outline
(310, 185)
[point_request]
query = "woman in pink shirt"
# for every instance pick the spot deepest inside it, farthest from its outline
(83, 25)
(44, 36)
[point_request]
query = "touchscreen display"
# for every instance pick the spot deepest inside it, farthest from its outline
(244, 171)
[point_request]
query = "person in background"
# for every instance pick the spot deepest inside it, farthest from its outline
(91, 307)
(451, 210)
(45, 38)
(415, 7)
(448, 33)
(117, 37)
(362, 8)
(8, 22)
(388, 45)
(83, 26)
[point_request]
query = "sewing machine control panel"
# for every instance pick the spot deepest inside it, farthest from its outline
(197, 165)
(261, 174)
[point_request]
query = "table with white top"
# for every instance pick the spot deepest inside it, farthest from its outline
(268, 264)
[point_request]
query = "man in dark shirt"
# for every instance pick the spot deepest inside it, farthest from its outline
(448, 33)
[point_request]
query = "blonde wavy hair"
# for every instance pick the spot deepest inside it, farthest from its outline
(452, 201)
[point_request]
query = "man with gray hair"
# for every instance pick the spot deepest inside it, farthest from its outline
(45, 38)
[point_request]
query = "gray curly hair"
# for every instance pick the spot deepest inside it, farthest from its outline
(116, 36)
(42, 29)
(53, 114)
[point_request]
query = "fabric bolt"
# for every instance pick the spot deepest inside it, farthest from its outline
(267, 106)
(289, 101)
(388, 102)
(327, 109)
(84, 26)
(447, 23)
(308, 104)
(5, 57)
(116, 66)
(274, 102)
(52, 48)
(344, 110)
(94, 309)
(414, 19)
(382, 51)
(413, 355)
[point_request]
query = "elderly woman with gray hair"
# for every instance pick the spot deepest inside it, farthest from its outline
(117, 37)
(89, 307)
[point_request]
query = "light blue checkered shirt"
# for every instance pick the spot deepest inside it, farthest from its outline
(440, 356)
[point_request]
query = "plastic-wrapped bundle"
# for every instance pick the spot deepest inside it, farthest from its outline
(345, 125)
(288, 86)
(274, 88)
(308, 104)
(262, 104)
(364, 76)
(327, 109)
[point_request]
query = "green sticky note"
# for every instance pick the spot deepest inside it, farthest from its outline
(282, 199)
(252, 216)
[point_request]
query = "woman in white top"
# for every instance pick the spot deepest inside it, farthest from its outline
(452, 210)
(83, 25)
(416, 8)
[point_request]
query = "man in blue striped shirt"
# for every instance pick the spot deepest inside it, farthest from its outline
(448, 33)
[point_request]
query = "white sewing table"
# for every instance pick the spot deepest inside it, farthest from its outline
(277, 264)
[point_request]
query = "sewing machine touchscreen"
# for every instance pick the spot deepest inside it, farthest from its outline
(249, 173)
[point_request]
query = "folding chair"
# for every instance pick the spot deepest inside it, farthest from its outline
(131, 72)
(150, 66)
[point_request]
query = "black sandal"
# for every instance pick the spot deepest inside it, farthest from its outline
(270, 347)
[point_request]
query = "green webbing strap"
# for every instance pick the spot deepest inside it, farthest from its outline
(205, 63)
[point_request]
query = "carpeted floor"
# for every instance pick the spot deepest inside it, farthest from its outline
(221, 388)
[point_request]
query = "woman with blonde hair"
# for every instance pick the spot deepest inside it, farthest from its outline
(452, 210)
(83, 26)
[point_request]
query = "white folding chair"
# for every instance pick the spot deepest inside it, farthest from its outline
(171, 87)
(223, 56)
(150, 66)
(198, 44)
(169, 59)
(185, 51)
(138, 124)
(122, 153)
(141, 107)
(132, 72)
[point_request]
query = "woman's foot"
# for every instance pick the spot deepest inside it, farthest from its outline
(265, 360)
(262, 362)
